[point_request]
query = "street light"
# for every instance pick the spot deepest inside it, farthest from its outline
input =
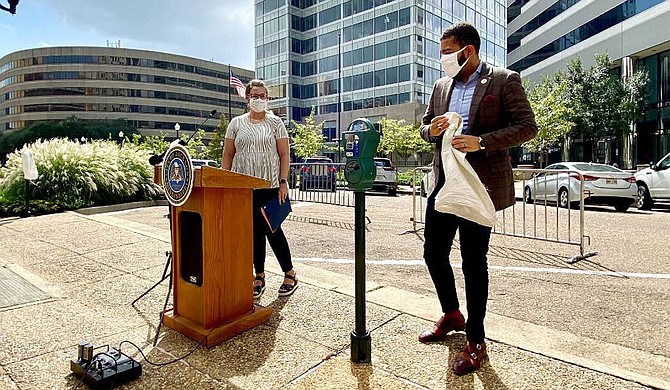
(121, 139)
(176, 128)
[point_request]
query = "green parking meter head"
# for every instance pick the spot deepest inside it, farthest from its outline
(360, 143)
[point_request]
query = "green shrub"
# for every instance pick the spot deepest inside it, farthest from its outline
(76, 175)
(35, 207)
(405, 178)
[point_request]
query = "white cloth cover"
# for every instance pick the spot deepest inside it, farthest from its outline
(29, 167)
(462, 194)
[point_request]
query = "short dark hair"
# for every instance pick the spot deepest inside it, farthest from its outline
(464, 34)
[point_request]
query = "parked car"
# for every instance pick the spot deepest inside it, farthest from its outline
(318, 173)
(387, 176)
(603, 184)
(653, 184)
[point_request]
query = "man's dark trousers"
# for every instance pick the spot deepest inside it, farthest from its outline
(439, 232)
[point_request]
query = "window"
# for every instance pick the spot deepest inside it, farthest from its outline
(368, 80)
(392, 48)
(403, 45)
(327, 64)
(368, 27)
(346, 84)
(308, 68)
(328, 40)
(404, 74)
(269, 6)
(330, 15)
(368, 54)
(328, 88)
(380, 51)
(380, 77)
(391, 75)
(403, 17)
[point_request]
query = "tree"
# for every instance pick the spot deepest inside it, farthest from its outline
(308, 138)
(602, 105)
(215, 146)
(549, 101)
(401, 139)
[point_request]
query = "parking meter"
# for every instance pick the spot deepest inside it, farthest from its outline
(360, 146)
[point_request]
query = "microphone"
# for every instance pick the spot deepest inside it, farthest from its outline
(211, 114)
(158, 158)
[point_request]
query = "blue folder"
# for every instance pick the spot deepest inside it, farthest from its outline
(275, 213)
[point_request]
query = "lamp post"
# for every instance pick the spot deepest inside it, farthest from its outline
(339, 95)
(121, 139)
(176, 128)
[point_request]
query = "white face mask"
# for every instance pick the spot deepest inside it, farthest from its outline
(450, 63)
(258, 105)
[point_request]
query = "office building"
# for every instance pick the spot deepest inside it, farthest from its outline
(544, 35)
(362, 58)
(151, 90)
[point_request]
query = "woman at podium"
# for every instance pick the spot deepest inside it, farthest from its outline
(257, 145)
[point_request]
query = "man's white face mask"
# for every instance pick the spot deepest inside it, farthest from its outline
(258, 105)
(450, 63)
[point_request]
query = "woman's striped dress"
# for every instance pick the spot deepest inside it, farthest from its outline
(256, 146)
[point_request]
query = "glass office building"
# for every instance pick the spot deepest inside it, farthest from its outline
(362, 58)
(543, 36)
(150, 90)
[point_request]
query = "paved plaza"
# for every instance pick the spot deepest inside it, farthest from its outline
(597, 324)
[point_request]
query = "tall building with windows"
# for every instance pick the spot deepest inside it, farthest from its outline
(544, 35)
(362, 58)
(151, 90)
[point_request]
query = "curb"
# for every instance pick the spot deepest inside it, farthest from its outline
(120, 207)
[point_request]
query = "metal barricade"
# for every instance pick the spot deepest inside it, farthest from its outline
(547, 197)
(423, 176)
(319, 183)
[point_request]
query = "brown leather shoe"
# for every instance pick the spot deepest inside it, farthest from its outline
(470, 358)
(447, 323)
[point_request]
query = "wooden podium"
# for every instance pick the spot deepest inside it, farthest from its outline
(212, 267)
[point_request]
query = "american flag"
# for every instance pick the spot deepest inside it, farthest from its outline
(238, 85)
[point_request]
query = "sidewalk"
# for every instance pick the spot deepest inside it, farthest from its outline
(92, 267)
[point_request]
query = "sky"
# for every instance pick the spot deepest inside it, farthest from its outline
(215, 30)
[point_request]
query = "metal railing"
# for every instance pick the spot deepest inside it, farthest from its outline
(319, 183)
(545, 212)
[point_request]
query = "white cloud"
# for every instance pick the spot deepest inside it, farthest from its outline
(219, 29)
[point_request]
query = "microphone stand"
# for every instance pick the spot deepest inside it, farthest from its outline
(158, 158)
(167, 271)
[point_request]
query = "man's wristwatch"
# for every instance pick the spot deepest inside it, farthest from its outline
(482, 145)
(282, 181)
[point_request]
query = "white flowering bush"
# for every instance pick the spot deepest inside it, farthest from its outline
(75, 175)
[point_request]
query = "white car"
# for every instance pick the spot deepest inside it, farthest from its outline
(603, 184)
(387, 176)
(653, 184)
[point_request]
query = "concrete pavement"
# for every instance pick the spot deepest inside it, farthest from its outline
(93, 266)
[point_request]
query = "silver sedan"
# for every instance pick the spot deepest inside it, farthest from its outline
(603, 184)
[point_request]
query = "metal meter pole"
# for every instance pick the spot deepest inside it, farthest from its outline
(361, 343)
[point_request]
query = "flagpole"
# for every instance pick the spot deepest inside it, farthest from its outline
(230, 74)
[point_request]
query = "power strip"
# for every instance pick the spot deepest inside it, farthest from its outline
(106, 370)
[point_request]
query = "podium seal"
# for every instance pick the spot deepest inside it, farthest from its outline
(177, 175)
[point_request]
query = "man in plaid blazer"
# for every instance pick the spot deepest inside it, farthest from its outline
(496, 116)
